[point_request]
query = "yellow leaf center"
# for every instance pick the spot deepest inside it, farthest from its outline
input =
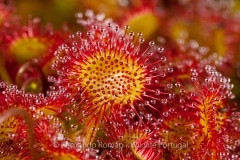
(112, 79)
(145, 22)
(24, 49)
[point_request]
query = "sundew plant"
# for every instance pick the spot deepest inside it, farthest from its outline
(119, 80)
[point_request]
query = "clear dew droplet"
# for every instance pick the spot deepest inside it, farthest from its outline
(153, 101)
(67, 118)
(165, 114)
(170, 70)
(71, 36)
(2, 85)
(153, 69)
(162, 74)
(148, 116)
(139, 34)
(117, 28)
(141, 40)
(126, 27)
(50, 117)
(79, 34)
(32, 108)
(171, 95)
(182, 100)
(163, 59)
(151, 43)
(194, 74)
(194, 79)
(131, 34)
(169, 85)
(160, 49)
(157, 92)
(178, 84)
(164, 101)
(11, 135)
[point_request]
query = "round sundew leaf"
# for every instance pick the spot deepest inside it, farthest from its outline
(24, 49)
(33, 85)
(144, 22)
(109, 69)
